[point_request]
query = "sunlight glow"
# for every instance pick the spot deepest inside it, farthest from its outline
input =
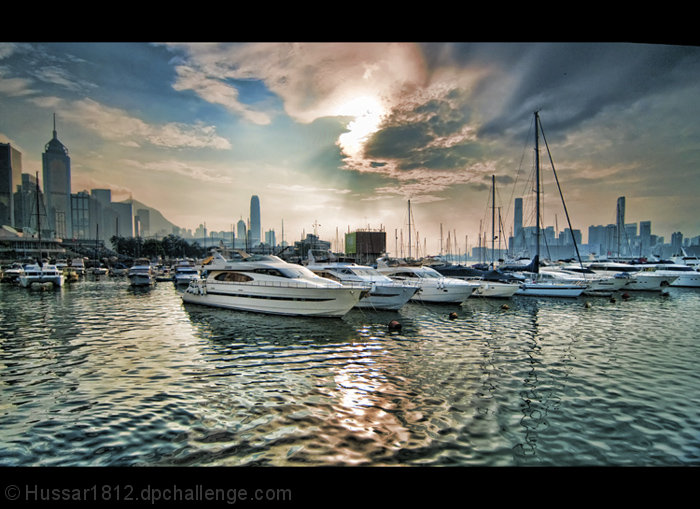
(367, 112)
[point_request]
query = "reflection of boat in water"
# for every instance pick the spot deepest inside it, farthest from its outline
(141, 273)
(266, 284)
(41, 274)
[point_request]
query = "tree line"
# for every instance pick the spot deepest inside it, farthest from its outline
(170, 246)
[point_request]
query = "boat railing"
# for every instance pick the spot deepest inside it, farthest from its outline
(285, 284)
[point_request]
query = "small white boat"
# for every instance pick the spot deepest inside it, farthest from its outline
(41, 273)
(185, 272)
(141, 273)
(78, 265)
(384, 293)
(12, 273)
(496, 289)
(434, 287)
(267, 284)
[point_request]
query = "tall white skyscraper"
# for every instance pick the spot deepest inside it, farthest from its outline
(254, 221)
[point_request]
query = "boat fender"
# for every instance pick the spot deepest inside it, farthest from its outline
(453, 315)
(394, 325)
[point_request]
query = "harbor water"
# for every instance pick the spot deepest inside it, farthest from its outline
(98, 373)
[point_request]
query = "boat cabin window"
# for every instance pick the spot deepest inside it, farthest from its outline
(405, 274)
(233, 277)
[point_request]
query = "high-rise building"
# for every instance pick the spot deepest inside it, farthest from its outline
(254, 221)
(518, 224)
(10, 179)
(620, 224)
(80, 215)
(56, 176)
(645, 237)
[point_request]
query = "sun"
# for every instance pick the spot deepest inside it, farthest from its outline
(367, 113)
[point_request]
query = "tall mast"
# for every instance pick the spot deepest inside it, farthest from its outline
(38, 218)
(493, 216)
(537, 187)
(409, 228)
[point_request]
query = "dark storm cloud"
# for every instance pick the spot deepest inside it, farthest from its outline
(426, 136)
(576, 82)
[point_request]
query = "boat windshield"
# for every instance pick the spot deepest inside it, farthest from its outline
(427, 272)
(299, 272)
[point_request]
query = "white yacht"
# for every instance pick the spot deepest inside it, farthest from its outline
(184, 273)
(542, 286)
(596, 284)
(12, 273)
(434, 287)
(141, 273)
(40, 274)
(685, 275)
(79, 265)
(384, 293)
(267, 284)
(639, 279)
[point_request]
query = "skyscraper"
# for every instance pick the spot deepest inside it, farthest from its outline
(518, 224)
(254, 221)
(56, 176)
(620, 223)
(10, 178)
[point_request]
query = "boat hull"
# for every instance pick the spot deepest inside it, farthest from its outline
(550, 290)
(496, 290)
(141, 280)
(444, 294)
(388, 297)
(333, 301)
(650, 282)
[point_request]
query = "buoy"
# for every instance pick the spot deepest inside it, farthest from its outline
(625, 295)
(587, 304)
(505, 306)
(664, 294)
(453, 315)
(394, 325)
(612, 299)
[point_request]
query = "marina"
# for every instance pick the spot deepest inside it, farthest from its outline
(103, 373)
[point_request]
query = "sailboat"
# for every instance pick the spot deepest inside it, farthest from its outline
(537, 286)
(40, 275)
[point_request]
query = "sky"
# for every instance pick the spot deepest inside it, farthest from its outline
(333, 137)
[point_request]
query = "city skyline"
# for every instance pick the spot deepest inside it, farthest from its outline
(341, 136)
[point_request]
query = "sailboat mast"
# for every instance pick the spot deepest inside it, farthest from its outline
(493, 216)
(537, 187)
(409, 228)
(38, 217)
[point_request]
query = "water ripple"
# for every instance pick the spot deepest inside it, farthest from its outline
(100, 374)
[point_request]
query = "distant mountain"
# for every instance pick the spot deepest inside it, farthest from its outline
(158, 224)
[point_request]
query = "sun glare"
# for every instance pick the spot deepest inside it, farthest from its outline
(367, 113)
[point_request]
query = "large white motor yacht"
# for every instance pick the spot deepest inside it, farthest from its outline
(141, 273)
(40, 273)
(639, 279)
(267, 284)
(596, 284)
(685, 275)
(434, 287)
(384, 293)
